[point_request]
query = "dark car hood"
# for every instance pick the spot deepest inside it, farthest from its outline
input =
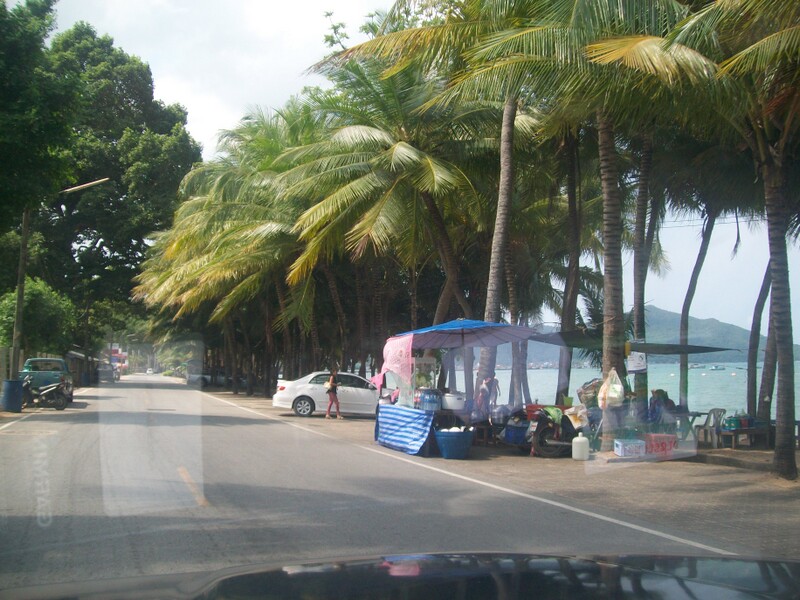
(464, 576)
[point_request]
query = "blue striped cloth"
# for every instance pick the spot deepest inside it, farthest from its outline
(403, 429)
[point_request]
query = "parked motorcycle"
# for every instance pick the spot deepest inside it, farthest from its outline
(552, 431)
(48, 396)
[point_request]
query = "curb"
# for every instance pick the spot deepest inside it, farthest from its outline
(731, 461)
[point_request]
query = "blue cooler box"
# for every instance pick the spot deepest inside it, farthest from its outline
(515, 434)
(454, 444)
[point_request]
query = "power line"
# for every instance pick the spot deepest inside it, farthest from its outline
(699, 222)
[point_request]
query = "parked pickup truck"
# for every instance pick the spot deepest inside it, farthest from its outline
(45, 371)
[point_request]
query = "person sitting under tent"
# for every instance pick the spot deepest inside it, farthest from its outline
(661, 411)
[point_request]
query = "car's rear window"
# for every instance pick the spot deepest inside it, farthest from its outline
(44, 365)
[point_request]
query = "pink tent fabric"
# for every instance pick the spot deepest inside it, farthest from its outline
(397, 358)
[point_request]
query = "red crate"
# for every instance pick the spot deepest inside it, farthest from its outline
(660, 444)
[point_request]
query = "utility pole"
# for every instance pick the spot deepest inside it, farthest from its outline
(16, 339)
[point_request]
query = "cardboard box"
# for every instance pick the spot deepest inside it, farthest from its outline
(624, 447)
(660, 444)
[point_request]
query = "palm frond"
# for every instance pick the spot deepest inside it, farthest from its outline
(648, 54)
(767, 55)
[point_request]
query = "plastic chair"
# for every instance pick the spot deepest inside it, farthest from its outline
(711, 427)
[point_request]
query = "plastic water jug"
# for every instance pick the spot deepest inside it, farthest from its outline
(580, 447)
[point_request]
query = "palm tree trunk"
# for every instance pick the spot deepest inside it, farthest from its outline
(641, 256)
(570, 307)
(518, 371)
(341, 318)
(414, 297)
(378, 335)
(248, 355)
(448, 258)
(269, 350)
(711, 218)
(613, 319)
(488, 356)
(231, 363)
(781, 318)
(286, 337)
(755, 338)
(361, 325)
(768, 373)
(316, 347)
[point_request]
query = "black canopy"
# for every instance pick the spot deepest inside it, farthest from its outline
(592, 339)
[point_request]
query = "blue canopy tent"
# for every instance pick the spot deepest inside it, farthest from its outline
(394, 428)
(468, 333)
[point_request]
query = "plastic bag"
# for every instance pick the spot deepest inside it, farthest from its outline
(612, 392)
(579, 415)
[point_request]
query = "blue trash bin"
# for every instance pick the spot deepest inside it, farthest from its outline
(12, 395)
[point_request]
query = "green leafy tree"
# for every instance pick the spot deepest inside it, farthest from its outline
(98, 237)
(49, 319)
(37, 98)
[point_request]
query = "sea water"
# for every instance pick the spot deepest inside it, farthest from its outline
(722, 387)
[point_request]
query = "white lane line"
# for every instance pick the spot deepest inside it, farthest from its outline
(271, 418)
(10, 423)
(505, 490)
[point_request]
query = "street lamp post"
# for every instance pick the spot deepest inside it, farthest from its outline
(16, 340)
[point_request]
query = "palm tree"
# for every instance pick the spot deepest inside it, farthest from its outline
(382, 168)
(230, 239)
(742, 57)
(443, 46)
(549, 45)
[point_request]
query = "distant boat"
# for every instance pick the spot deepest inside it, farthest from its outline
(716, 368)
(696, 366)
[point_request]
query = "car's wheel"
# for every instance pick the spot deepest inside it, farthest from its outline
(303, 406)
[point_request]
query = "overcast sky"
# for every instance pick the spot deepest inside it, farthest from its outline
(220, 59)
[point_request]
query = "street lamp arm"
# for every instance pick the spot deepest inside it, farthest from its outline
(83, 186)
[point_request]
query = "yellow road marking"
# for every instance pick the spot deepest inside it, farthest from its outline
(187, 479)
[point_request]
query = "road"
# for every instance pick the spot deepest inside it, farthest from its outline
(148, 477)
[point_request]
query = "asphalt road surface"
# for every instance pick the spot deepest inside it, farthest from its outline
(149, 477)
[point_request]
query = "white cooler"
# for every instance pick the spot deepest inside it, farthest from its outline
(454, 401)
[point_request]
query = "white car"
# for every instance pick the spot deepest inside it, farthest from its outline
(357, 396)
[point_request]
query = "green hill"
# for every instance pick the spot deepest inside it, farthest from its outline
(663, 327)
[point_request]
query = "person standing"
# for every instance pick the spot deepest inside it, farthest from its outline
(333, 399)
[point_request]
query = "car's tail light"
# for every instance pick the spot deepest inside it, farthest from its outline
(281, 388)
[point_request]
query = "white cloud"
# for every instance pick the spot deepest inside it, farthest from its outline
(220, 58)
